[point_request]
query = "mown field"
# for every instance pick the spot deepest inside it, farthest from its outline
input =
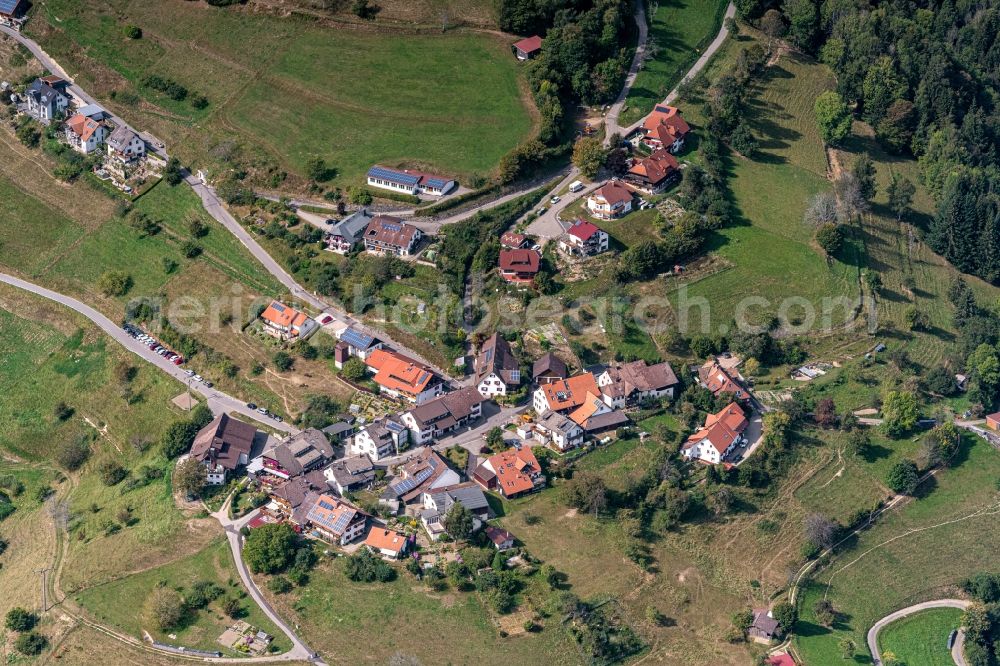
(922, 639)
(678, 31)
(213, 564)
(286, 89)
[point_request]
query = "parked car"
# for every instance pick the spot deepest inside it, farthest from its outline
(250, 405)
(262, 410)
(554, 200)
(178, 360)
(189, 373)
(209, 384)
(277, 418)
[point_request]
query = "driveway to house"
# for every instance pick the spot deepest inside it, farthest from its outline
(754, 435)
(217, 401)
(699, 65)
(232, 527)
(611, 119)
(910, 610)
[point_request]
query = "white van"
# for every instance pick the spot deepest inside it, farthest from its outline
(575, 186)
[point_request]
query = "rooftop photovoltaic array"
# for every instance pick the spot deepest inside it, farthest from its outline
(393, 176)
(436, 183)
(356, 338)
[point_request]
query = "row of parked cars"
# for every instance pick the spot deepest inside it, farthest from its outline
(153, 344)
(263, 411)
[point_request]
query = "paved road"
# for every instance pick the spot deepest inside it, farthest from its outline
(910, 610)
(611, 119)
(699, 65)
(214, 207)
(217, 401)
(50, 64)
(232, 527)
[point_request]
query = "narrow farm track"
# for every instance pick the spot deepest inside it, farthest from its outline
(910, 610)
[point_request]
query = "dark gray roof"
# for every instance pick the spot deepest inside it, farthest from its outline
(468, 495)
(302, 451)
(338, 428)
(456, 405)
(42, 92)
(549, 365)
(606, 421)
(496, 357)
(352, 471)
(352, 227)
(121, 138)
(223, 440)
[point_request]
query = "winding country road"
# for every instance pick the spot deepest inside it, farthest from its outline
(217, 401)
(611, 119)
(910, 610)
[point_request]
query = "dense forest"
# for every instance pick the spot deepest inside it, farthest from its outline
(925, 75)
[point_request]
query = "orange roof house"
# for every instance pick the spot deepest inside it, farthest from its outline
(719, 380)
(401, 376)
(720, 435)
(511, 473)
(565, 394)
(652, 174)
(285, 322)
(528, 48)
(664, 128)
(386, 542)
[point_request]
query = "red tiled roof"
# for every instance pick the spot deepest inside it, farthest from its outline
(656, 167)
(390, 231)
(570, 393)
(513, 469)
(283, 316)
(399, 373)
(529, 44)
(583, 230)
(783, 659)
(668, 117)
(83, 126)
(380, 538)
(614, 192)
(722, 428)
(519, 261)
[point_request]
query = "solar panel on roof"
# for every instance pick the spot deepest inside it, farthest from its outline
(326, 505)
(356, 338)
(392, 175)
(342, 521)
(436, 183)
(278, 306)
(8, 6)
(391, 227)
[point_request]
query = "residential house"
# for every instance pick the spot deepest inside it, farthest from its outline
(584, 239)
(764, 627)
(438, 502)
(125, 145)
(348, 232)
(443, 415)
(629, 383)
(286, 323)
(780, 659)
(85, 135)
(387, 235)
(527, 48)
(340, 431)
(560, 430)
(511, 473)
(95, 112)
(402, 377)
(549, 368)
(357, 342)
(564, 395)
(718, 379)
(424, 473)
(387, 543)
(993, 421)
(47, 99)
(292, 494)
(611, 200)
(380, 439)
(334, 520)
(497, 369)
(513, 241)
(407, 181)
(12, 9)
(720, 435)
(349, 474)
(655, 173)
(501, 538)
(519, 266)
(223, 446)
(663, 128)
(300, 453)
(596, 416)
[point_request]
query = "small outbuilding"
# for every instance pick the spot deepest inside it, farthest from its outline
(527, 48)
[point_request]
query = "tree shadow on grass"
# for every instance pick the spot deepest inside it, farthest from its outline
(926, 487)
(875, 452)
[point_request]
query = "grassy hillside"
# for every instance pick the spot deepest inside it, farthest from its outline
(922, 638)
(287, 89)
(678, 31)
